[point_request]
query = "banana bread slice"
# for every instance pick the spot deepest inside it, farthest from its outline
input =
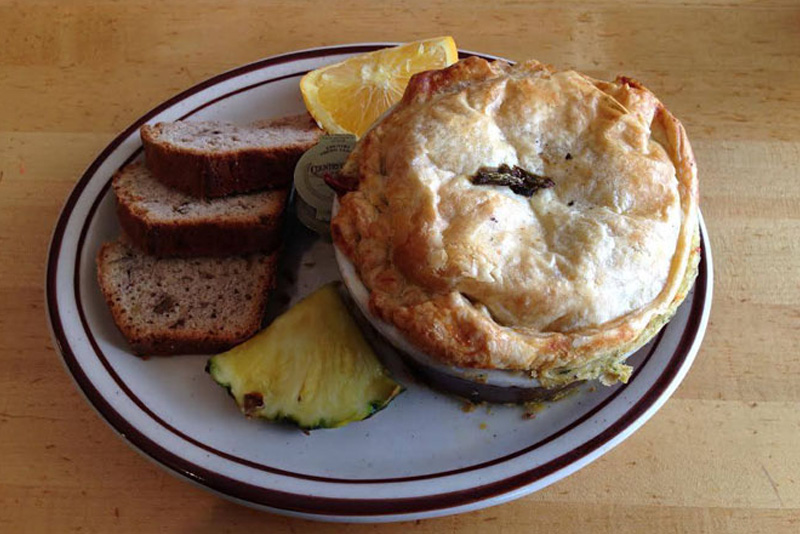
(216, 159)
(184, 306)
(166, 222)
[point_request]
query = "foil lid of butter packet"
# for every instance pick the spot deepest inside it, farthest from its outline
(314, 197)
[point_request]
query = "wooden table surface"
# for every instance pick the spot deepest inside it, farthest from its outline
(723, 455)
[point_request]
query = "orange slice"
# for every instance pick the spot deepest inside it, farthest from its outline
(347, 97)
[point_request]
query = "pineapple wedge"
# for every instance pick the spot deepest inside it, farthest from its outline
(311, 367)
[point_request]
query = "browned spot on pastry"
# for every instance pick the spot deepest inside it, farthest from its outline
(340, 183)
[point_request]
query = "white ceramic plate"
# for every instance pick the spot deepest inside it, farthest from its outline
(423, 456)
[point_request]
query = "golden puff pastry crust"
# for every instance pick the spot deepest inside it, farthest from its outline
(562, 284)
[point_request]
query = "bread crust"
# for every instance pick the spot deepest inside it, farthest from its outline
(174, 345)
(212, 175)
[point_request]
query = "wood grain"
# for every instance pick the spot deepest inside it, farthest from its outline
(721, 456)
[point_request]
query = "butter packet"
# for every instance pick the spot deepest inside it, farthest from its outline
(314, 199)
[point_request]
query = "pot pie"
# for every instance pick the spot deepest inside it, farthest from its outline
(516, 217)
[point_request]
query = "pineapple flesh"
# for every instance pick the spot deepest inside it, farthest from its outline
(311, 367)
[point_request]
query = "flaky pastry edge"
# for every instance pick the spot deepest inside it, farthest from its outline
(448, 326)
